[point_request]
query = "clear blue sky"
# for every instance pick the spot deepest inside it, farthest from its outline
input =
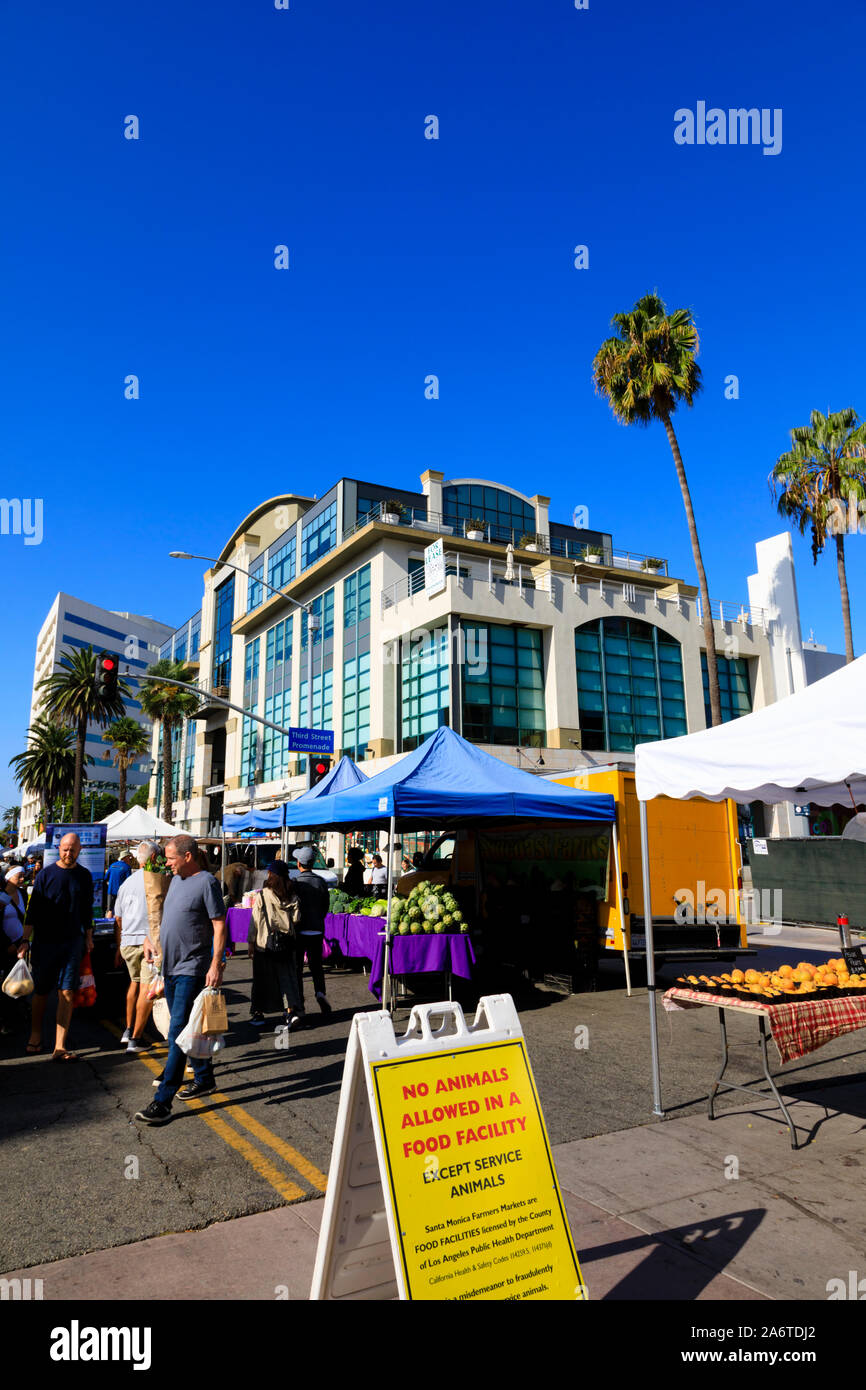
(408, 256)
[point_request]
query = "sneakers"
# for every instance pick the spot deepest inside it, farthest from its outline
(196, 1089)
(323, 1002)
(257, 1020)
(154, 1114)
(138, 1045)
(126, 1037)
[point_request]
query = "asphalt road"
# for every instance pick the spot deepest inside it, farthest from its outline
(81, 1175)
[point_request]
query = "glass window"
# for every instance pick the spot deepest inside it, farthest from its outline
(323, 607)
(735, 691)
(223, 617)
(508, 517)
(281, 565)
(503, 695)
(425, 687)
(356, 598)
(629, 684)
(319, 536)
(194, 636)
(255, 590)
(356, 706)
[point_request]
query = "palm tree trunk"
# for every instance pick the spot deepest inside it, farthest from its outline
(709, 630)
(79, 770)
(121, 790)
(166, 771)
(846, 605)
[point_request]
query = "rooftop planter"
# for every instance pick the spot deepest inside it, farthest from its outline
(593, 554)
(529, 541)
(392, 512)
(652, 565)
(475, 528)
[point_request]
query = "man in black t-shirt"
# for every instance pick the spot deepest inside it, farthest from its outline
(60, 920)
(314, 898)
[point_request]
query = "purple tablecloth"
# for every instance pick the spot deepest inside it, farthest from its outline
(354, 936)
(418, 955)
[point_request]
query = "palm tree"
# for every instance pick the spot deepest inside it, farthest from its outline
(71, 696)
(645, 373)
(47, 767)
(128, 740)
(168, 705)
(818, 481)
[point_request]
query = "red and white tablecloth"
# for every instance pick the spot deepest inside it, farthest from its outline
(796, 1028)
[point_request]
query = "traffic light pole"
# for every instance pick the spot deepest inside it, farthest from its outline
(216, 700)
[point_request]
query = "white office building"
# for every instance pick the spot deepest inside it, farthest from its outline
(134, 640)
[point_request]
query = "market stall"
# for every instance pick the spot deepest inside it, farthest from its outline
(810, 746)
(446, 782)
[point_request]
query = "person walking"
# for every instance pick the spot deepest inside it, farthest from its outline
(12, 909)
(272, 946)
(118, 873)
(59, 920)
(314, 900)
(131, 928)
(192, 938)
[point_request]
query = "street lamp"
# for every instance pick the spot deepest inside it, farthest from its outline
(313, 622)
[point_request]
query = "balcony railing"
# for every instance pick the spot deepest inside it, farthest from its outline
(524, 579)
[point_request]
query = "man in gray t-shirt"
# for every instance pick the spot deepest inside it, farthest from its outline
(193, 939)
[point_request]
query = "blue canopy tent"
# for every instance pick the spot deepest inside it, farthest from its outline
(448, 782)
(346, 774)
(253, 820)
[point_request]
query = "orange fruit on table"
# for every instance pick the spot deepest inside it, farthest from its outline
(786, 970)
(752, 976)
(737, 977)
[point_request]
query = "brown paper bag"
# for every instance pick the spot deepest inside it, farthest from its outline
(214, 1017)
(155, 889)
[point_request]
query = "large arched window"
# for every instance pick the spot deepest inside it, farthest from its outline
(629, 684)
(508, 517)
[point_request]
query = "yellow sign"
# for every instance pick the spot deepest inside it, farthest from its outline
(477, 1206)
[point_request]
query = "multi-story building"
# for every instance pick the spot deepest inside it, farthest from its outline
(544, 642)
(135, 640)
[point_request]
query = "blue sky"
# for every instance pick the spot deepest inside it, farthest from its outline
(408, 257)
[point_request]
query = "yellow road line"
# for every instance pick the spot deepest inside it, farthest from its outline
(237, 1141)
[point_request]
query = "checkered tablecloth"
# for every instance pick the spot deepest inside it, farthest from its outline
(796, 1028)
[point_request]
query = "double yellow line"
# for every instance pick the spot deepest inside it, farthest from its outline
(288, 1190)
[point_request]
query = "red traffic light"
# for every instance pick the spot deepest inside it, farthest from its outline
(321, 767)
(108, 664)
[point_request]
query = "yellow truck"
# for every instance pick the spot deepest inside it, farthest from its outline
(695, 868)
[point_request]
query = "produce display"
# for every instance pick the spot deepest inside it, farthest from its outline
(344, 902)
(430, 907)
(829, 980)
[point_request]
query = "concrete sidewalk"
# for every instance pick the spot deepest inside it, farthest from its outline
(680, 1209)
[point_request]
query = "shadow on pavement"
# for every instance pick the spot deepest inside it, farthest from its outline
(710, 1246)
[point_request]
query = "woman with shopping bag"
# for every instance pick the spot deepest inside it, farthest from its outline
(272, 946)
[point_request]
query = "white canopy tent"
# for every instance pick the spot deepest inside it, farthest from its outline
(811, 746)
(138, 824)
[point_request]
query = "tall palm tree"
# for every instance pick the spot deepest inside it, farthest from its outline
(128, 740)
(46, 769)
(70, 695)
(645, 373)
(169, 706)
(819, 483)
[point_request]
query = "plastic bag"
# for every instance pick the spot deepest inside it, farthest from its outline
(19, 981)
(156, 988)
(191, 1040)
(161, 1015)
(85, 995)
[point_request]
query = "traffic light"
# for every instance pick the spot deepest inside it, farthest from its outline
(321, 768)
(106, 677)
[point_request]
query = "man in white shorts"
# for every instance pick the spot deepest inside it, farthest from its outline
(131, 926)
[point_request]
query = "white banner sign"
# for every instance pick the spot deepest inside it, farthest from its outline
(434, 568)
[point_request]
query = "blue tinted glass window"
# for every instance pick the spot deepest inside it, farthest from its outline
(319, 536)
(629, 684)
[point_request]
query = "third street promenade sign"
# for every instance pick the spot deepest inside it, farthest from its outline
(311, 741)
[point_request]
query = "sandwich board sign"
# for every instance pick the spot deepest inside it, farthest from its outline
(442, 1183)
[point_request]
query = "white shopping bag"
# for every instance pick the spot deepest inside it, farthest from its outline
(19, 981)
(191, 1040)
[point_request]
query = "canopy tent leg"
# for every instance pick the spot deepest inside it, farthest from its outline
(386, 992)
(650, 960)
(619, 903)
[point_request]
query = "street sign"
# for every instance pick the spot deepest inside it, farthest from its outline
(311, 740)
(434, 568)
(212, 791)
(442, 1182)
